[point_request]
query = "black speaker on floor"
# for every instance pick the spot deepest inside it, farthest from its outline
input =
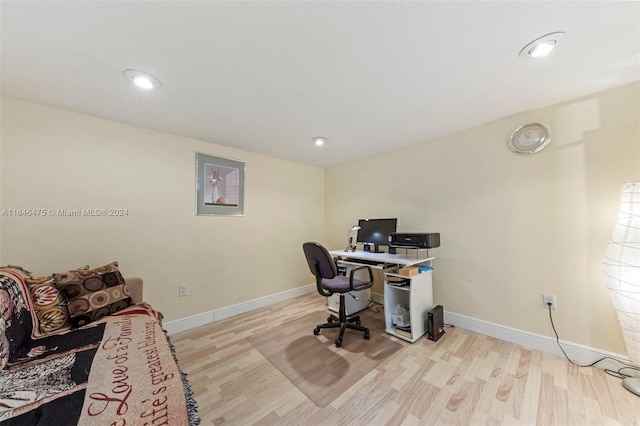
(435, 323)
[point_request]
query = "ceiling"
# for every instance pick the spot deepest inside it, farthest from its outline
(268, 76)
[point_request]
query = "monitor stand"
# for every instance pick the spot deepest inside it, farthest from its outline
(376, 248)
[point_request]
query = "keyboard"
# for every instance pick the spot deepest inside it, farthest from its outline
(363, 261)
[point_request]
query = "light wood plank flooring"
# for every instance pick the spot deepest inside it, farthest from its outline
(463, 379)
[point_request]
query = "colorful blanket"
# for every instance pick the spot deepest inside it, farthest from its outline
(120, 370)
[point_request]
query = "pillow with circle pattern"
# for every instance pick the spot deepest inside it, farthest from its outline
(93, 293)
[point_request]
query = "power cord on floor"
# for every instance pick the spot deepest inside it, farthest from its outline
(619, 374)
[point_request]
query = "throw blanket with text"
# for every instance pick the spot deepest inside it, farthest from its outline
(117, 371)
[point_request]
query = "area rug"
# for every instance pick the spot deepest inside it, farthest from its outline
(314, 364)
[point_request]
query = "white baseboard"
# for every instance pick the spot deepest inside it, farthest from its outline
(188, 323)
(578, 353)
(204, 318)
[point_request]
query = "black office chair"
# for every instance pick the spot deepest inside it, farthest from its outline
(324, 268)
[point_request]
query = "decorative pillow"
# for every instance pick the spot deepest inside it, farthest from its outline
(93, 293)
(49, 304)
(17, 269)
(16, 316)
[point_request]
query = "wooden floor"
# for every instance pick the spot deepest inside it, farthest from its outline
(463, 379)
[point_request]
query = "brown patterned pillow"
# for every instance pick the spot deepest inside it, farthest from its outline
(49, 304)
(93, 293)
(16, 316)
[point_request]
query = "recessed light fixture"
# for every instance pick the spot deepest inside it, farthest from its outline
(319, 141)
(542, 46)
(142, 79)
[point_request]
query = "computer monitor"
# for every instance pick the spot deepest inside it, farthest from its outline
(376, 232)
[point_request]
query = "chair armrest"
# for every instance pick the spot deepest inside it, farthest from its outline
(357, 268)
(134, 285)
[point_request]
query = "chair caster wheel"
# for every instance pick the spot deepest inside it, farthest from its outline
(367, 336)
(338, 342)
(358, 322)
(329, 320)
(316, 331)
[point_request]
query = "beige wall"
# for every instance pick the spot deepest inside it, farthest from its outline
(57, 159)
(512, 226)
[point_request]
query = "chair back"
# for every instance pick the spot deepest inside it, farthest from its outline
(320, 261)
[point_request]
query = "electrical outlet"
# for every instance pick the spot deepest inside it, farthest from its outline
(549, 299)
(183, 290)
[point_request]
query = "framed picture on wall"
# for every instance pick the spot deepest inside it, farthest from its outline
(219, 186)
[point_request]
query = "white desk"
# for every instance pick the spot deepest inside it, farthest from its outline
(417, 297)
(383, 258)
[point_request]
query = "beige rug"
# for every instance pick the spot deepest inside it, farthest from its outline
(314, 364)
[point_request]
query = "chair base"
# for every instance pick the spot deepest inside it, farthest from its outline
(343, 323)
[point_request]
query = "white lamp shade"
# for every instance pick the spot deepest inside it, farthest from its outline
(621, 267)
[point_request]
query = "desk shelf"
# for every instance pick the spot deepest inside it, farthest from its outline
(416, 297)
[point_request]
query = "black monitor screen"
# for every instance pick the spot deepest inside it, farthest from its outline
(376, 231)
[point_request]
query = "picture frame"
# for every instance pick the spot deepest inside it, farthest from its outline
(219, 186)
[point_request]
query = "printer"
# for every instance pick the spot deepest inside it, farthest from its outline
(415, 240)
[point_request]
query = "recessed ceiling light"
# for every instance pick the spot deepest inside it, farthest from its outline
(142, 79)
(319, 141)
(542, 46)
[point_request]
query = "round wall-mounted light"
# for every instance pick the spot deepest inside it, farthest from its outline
(319, 141)
(542, 46)
(142, 79)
